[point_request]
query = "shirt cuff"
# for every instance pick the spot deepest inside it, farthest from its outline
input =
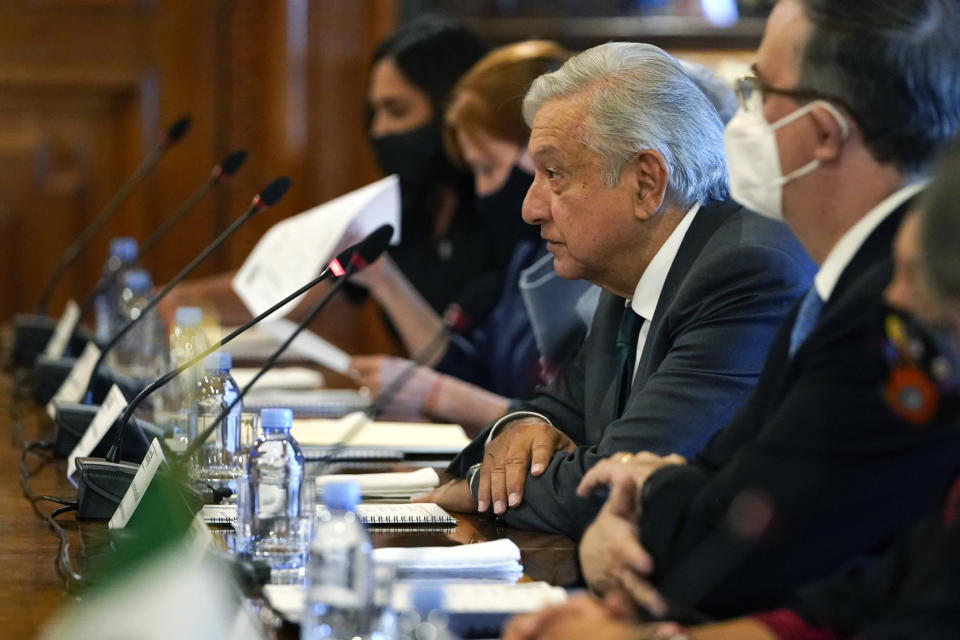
(510, 417)
(788, 625)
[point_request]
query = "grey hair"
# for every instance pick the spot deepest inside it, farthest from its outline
(639, 97)
(719, 92)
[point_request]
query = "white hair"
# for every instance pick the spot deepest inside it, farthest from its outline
(639, 97)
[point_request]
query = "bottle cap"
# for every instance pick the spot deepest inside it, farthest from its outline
(275, 419)
(218, 361)
(188, 316)
(123, 248)
(427, 598)
(137, 280)
(344, 495)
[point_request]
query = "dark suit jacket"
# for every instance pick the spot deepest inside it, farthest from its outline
(734, 278)
(910, 592)
(817, 440)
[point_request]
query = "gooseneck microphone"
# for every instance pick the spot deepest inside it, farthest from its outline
(265, 199)
(224, 169)
(355, 257)
(172, 135)
(366, 252)
(459, 317)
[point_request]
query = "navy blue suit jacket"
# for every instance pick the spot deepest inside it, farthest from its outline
(734, 278)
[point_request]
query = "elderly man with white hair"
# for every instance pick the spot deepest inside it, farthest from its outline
(629, 194)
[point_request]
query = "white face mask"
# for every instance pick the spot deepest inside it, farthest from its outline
(753, 160)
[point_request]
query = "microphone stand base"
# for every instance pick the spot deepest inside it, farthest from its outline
(72, 419)
(31, 333)
(101, 486)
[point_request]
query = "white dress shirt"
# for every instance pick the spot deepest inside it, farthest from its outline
(842, 253)
(646, 294)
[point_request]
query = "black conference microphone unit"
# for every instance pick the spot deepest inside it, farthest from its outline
(32, 331)
(65, 413)
(263, 200)
(102, 483)
(474, 303)
(366, 252)
(460, 316)
(222, 170)
(50, 372)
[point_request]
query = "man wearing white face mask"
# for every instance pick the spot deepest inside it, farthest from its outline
(849, 106)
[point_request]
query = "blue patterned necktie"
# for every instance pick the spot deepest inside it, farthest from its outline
(626, 353)
(810, 309)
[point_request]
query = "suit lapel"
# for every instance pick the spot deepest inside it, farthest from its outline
(704, 225)
(876, 250)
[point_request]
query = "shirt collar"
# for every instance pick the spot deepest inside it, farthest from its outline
(647, 293)
(846, 248)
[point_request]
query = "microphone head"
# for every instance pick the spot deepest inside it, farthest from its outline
(364, 252)
(372, 246)
(229, 165)
(177, 130)
(272, 192)
(474, 302)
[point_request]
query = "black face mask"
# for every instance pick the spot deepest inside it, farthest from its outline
(414, 155)
(501, 209)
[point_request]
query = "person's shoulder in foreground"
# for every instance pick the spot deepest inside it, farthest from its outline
(818, 442)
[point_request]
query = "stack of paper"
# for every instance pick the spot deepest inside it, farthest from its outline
(357, 430)
(495, 560)
(290, 600)
(308, 403)
(280, 378)
(387, 485)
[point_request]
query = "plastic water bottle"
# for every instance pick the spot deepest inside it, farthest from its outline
(219, 461)
(426, 620)
(141, 352)
(270, 525)
(187, 340)
(123, 255)
(339, 571)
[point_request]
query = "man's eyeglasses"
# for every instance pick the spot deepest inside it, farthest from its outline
(751, 89)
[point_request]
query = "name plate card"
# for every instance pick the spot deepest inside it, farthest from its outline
(136, 490)
(76, 382)
(112, 405)
(61, 335)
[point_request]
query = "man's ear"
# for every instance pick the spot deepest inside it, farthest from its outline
(647, 173)
(831, 133)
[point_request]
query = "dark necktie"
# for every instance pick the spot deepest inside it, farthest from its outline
(626, 353)
(807, 315)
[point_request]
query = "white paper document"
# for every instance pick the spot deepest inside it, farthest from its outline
(77, 380)
(137, 489)
(112, 405)
(61, 334)
(285, 378)
(387, 485)
(357, 430)
(524, 597)
(294, 250)
(308, 345)
(481, 560)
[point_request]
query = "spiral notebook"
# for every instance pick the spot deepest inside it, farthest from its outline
(407, 514)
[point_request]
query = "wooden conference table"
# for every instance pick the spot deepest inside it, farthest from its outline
(31, 590)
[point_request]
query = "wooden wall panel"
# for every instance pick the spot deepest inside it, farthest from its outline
(86, 86)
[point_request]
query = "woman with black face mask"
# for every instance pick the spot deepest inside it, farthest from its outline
(535, 319)
(445, 249)
(443, 246)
